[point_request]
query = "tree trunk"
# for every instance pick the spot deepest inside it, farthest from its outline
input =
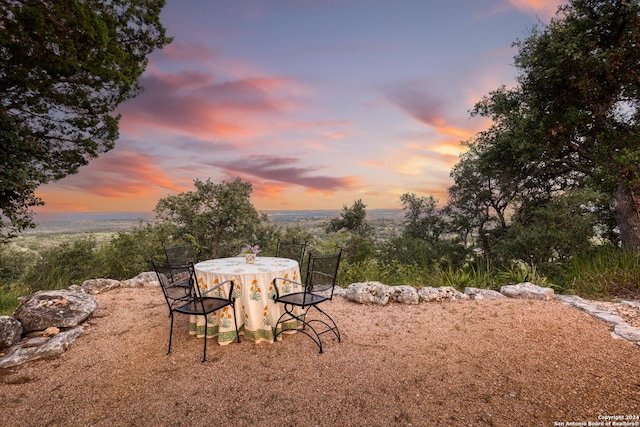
(626, 211)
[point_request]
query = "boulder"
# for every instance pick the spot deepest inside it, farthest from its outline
(527, 290)
(476, 293)
(440, 294)
(62, 309)
(39, 348)
(142, 280)
(10, 331)
(96, 286)
(404, 294)
(368, 293)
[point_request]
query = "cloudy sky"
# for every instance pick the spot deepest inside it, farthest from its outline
(317, 103)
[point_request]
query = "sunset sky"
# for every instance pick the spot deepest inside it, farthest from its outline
(317, 103)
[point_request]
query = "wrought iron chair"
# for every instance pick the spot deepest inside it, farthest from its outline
(291, 249)
(179, 254)
(320, 282)
(180, 300)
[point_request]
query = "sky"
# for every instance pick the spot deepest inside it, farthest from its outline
(318, 103)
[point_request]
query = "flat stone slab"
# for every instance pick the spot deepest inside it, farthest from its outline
(527, 290)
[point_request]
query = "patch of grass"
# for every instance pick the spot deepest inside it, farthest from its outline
(9, 295)
(604, 273)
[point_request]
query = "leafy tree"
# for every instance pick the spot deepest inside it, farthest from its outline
(573, 120)
(220, 217)
(357, 245)
(64, 68)
(353, 220)
(422, 219)
(552, 232)
(481, 194)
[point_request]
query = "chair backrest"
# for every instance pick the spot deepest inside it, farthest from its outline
(176, 283)
(322, 272)
(179, 255)
(291, 249)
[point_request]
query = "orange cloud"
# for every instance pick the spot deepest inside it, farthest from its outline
(121, 174)
(196, 104)
(543, 8)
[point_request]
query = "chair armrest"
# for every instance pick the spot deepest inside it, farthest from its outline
(275, 285)
(219, 285)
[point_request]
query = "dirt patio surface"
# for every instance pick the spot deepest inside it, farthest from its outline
(462, 363)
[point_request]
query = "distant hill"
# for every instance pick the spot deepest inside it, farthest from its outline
(93, 222)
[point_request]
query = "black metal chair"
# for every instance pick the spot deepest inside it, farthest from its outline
(181, 300)
(321, 280)
(179, 254)
(291, 249)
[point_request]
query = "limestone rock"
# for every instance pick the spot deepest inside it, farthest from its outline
(142, 280)
(442, 293)
(368, 293)
(476, 293)
(627, 332)
(527, 290)
(10, 331)
(404, 294)
(39, 348)
(96, 286)
(62, 309)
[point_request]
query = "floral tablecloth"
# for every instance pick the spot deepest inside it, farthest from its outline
(255, 309)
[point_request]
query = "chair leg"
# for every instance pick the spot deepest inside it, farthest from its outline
(170, 332)
(235, 321)
(333, 328)
(206, 326)
(302, 318)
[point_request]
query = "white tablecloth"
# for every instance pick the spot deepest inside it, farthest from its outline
(255, 310)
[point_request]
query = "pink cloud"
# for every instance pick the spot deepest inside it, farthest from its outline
(283, 170)
(194, 103)
(121, 174)
(543, 8)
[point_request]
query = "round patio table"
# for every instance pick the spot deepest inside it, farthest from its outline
(255, 310)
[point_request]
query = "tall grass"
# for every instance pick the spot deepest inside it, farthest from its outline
(604, 272)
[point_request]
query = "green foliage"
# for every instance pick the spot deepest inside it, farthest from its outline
(604, 272)
(65, 66)
(462, 278)
(9, 297)
(353, 220)
(392, 274)
(128, 253)
(423, 220)
(62, 266)
(519, 272)
(219, 217)
(551, 231)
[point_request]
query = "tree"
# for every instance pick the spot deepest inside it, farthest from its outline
(353, 220)
(574, 118)
(220, 217)
(422, 219)
(481, 194)
(64, 68)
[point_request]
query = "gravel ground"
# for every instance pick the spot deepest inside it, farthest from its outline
(465, 363)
